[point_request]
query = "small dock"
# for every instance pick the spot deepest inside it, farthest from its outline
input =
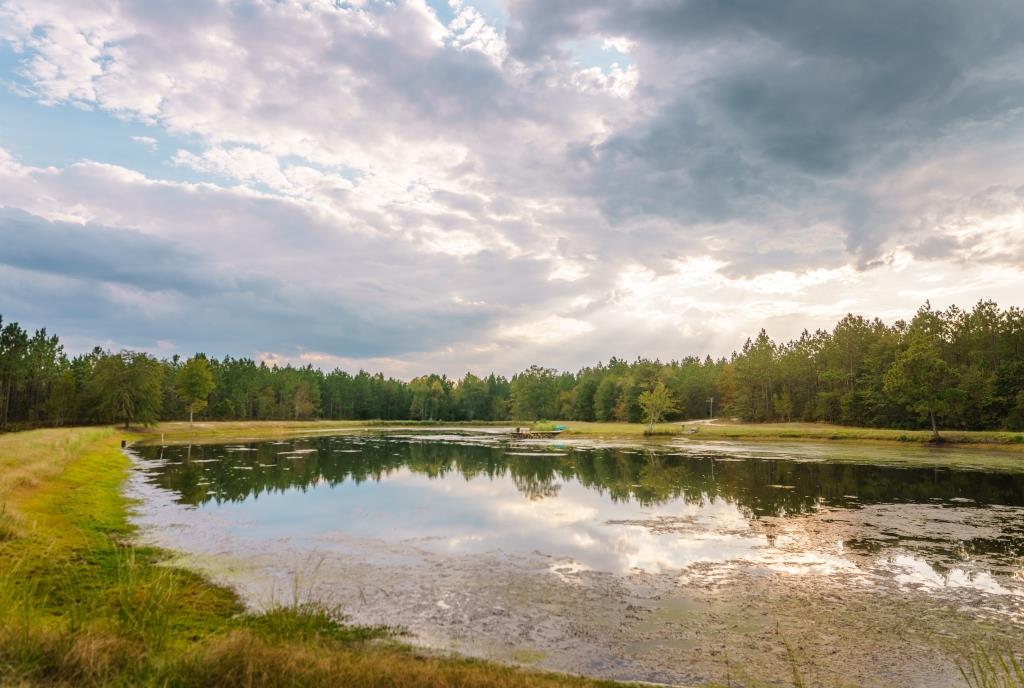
(527, 433)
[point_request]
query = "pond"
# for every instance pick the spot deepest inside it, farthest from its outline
(674, 562)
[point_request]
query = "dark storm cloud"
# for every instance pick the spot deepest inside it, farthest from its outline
(98, 253)
(797, 102)
(67, 271)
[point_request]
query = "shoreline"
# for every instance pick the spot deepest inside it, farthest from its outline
(178, 431)
(982, 450)
(84, 602)
(349, 567)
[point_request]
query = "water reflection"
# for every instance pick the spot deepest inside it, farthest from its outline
(496, 548)
(600, 508)
(219, 473)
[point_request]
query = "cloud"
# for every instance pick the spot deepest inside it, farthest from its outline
(785, 109)
(99, 254)
(987, 227)
(233, 270)
(148, 141)
(548, 330)
(369, 183)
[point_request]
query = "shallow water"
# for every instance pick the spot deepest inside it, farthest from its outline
(679, 562)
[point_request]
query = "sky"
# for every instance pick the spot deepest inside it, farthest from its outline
(456, 185)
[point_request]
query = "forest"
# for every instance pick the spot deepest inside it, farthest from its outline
(952, 368)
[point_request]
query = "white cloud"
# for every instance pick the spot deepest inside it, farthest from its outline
(381, 188)
(470, 31)
(548, 330)
(237, 162)
(617, 81)
(618, 43)
(147, 141)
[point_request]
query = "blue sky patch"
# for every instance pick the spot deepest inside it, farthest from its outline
(593, 52)
(62, 134)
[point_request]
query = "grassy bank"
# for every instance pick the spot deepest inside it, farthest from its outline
(81, 605)
(224, 431)
(724, 430)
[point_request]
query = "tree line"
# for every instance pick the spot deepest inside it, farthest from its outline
(953, 368)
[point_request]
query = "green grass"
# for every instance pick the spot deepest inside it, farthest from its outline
(80, 605)
(723, 430)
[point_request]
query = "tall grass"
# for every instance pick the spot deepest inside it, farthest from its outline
(146, 598)
(7, 527)
(988, 669)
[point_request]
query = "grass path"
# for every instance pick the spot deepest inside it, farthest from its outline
(82, 606)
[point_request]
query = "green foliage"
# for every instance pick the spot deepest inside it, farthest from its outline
(535, 394)
(604, 398)
(656, 403)
(194, 382)
(920, 380)
(431, 398)
(128, 386)
(965, 369)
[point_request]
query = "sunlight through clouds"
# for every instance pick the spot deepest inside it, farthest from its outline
(674, 177)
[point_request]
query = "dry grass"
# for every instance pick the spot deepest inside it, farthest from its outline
(243, 659)
(29, 459)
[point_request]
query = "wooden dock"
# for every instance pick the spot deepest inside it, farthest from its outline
(527, 433)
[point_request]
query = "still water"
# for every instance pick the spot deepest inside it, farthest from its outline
(634, 561)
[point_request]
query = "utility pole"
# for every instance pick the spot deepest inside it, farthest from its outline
(711, 412)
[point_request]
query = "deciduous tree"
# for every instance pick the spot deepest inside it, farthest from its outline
(127, 386)
(656, 403)
(194, 383)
